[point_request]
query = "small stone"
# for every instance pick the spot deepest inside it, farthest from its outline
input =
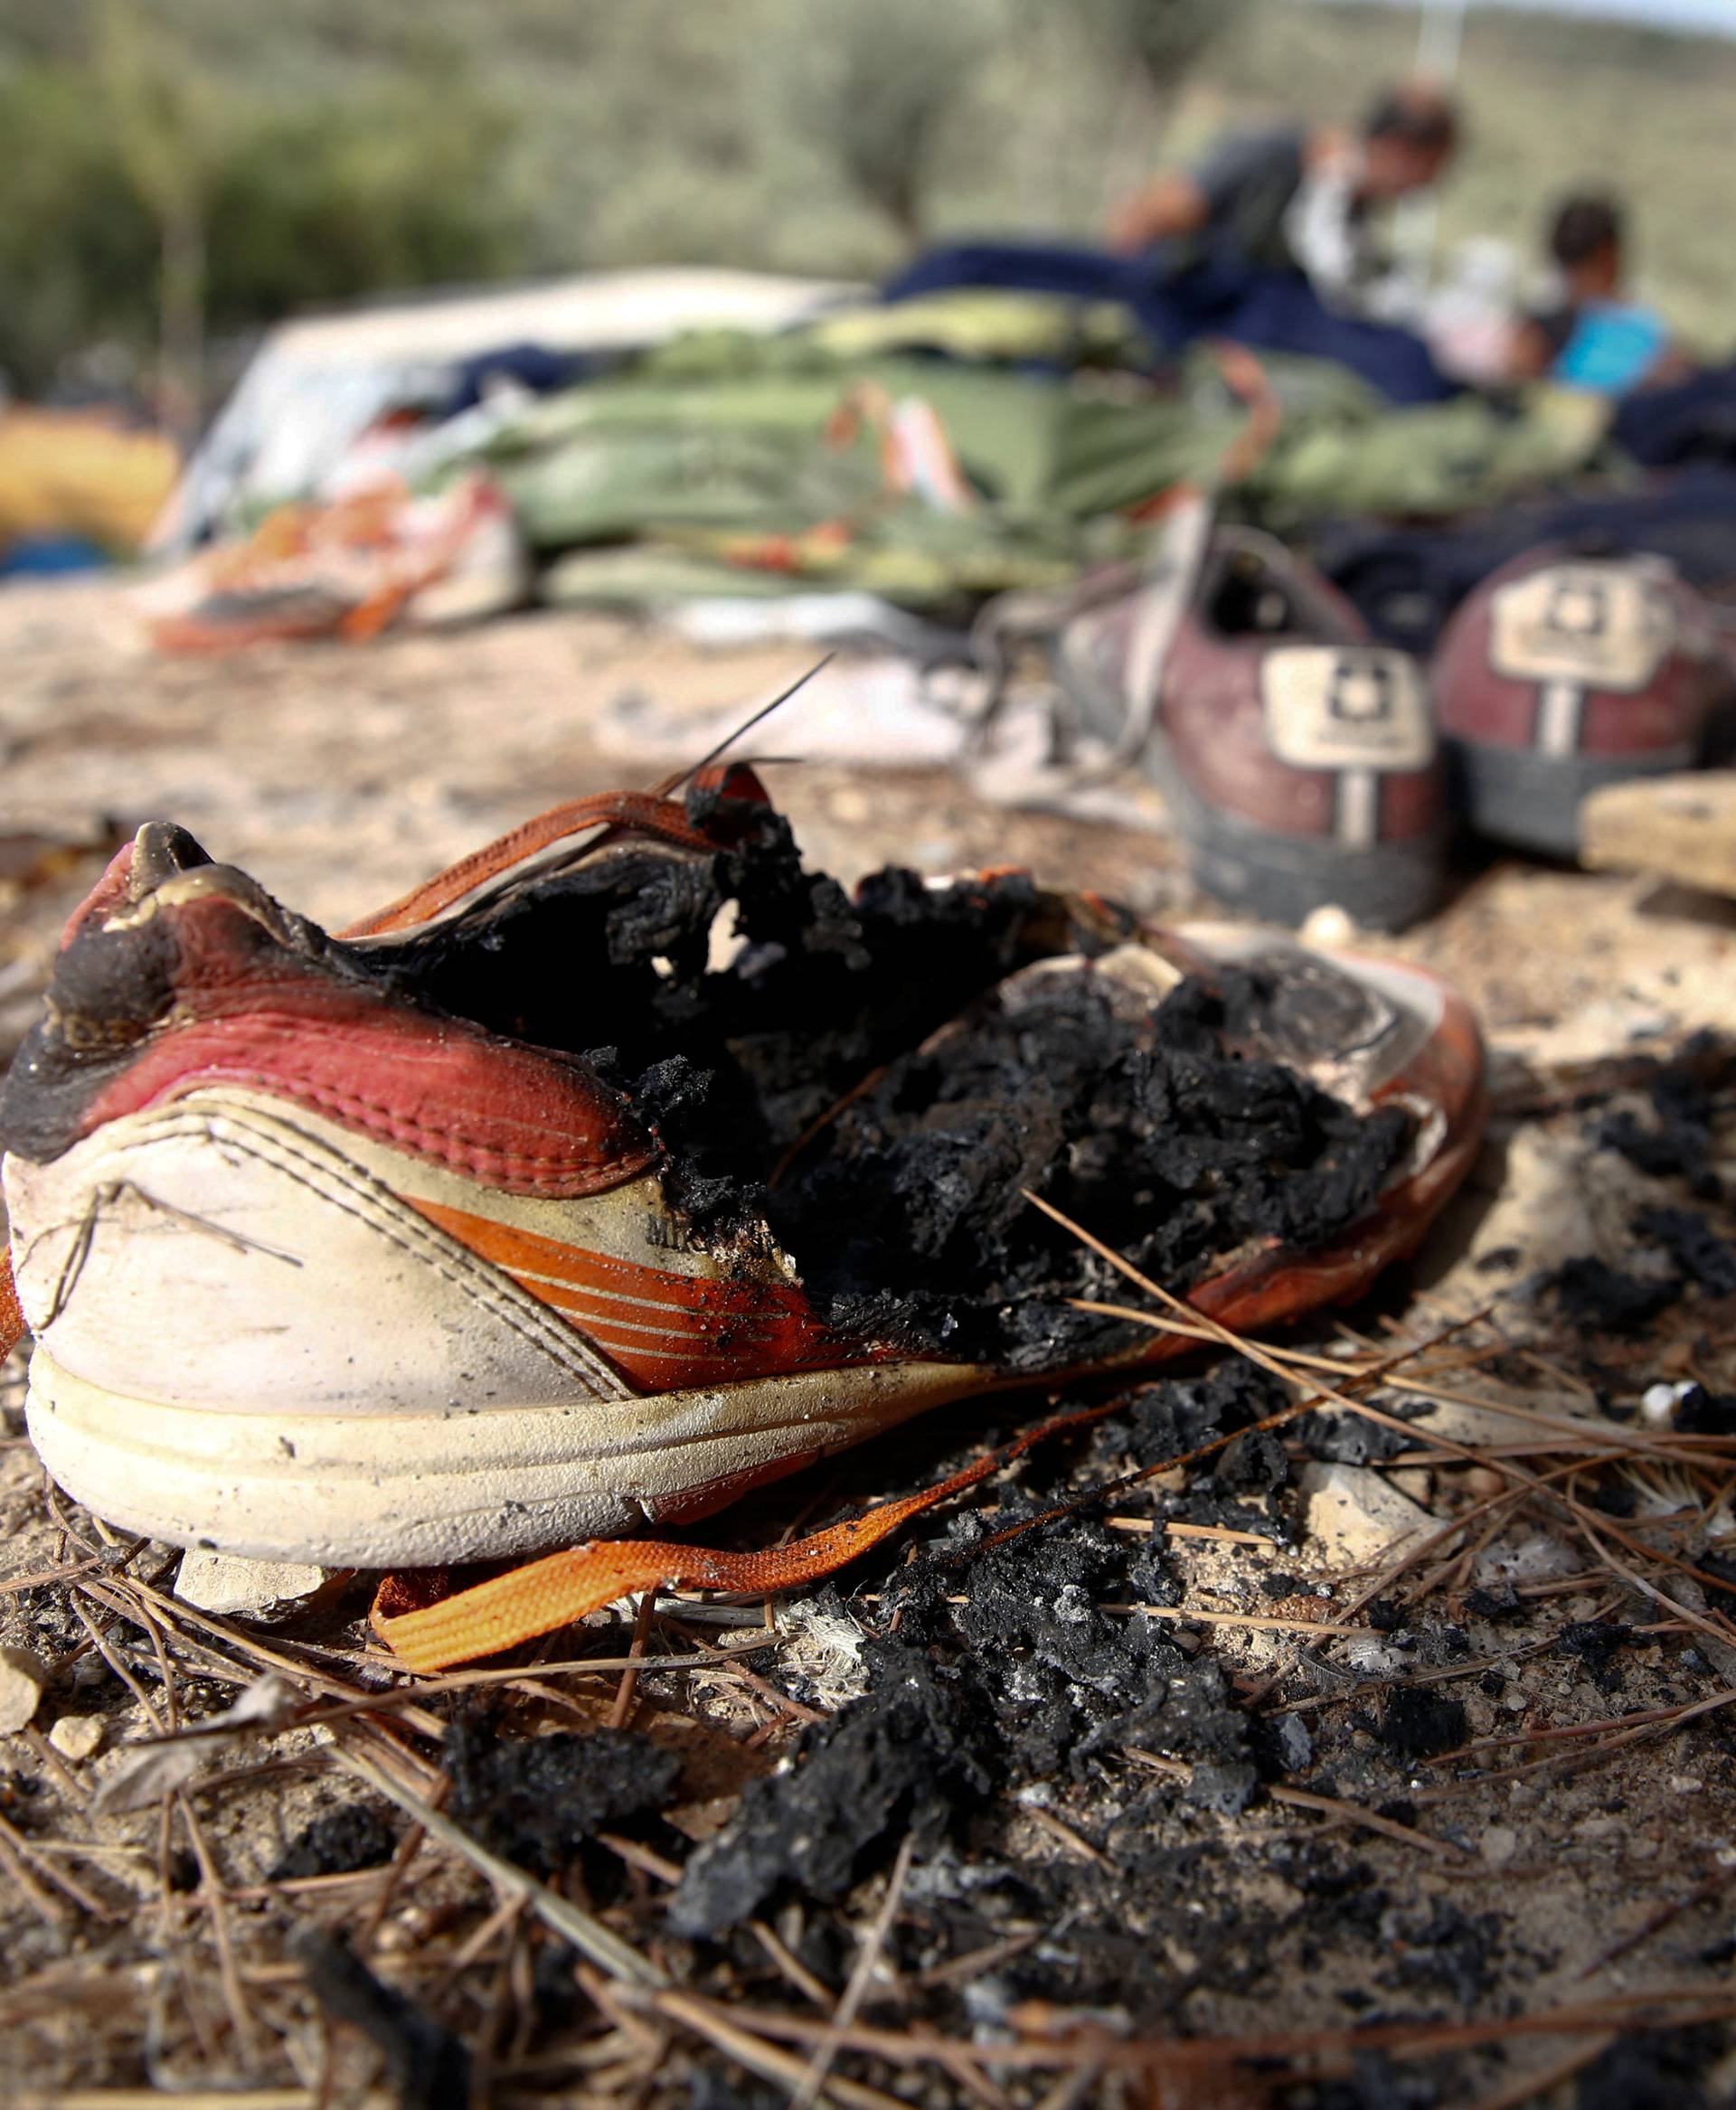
(1686, 1783)
(1535, 1556)
(1295, 1746)
(1659, 1403)
(1498, 1845)
(1328, 925)
(76, 1736)
(22, 1675)
(1369, 1657)
(1358, 1517)
(1226, 1789)
(223, 1584)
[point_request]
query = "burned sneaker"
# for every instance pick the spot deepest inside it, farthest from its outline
(1560, 674)
(629, 1164)
(1299, 759)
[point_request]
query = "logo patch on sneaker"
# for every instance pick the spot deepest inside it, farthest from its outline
(1350, 707)
(1599, 625)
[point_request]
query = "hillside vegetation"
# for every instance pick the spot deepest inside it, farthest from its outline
(226, 161)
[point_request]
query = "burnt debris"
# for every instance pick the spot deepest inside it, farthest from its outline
(430, 2067)
(536, 1800)
(868, 1080)
(355, 1835)
(913, 1756)
(855, 1076)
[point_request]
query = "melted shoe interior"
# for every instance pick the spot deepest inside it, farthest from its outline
(861, 1074)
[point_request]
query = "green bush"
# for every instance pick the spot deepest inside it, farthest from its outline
(398, 188)
(395, 184)
(343, 148)
(78, 247)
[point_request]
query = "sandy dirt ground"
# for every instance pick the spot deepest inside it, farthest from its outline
(1465, 1878)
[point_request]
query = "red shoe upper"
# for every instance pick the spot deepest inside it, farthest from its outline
(1570, 656)
(184, 976)
(1273, 695)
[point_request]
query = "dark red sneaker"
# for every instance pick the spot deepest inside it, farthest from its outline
(1299, 761)
(1562, 674)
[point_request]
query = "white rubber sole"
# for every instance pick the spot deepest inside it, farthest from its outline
(420, 1490)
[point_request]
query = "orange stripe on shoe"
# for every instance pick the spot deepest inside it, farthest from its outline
(663, 1330)
(667, 1322)
(709, 1351)
(553, 1260)
(12, 1328)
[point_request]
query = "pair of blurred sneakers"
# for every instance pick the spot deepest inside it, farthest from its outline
(1307, 766)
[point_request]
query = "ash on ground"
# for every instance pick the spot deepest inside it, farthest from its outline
(1113, 1781)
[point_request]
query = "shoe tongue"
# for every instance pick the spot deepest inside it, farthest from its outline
(169, 869)
(161, 849)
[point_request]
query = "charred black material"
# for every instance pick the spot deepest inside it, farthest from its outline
(1676, 1142)
(1592, 1292)
(907, 1758)
(113, 989)
(820, 1079)
(1416, 1724)
(910, 1217)
(858, 1072)
(1695, 1248)
(1704, 1413)
(110, 989)
(1662, 2069)
(353, 1836)
(537, 1799)
(1596, 1643)
(430, 2067)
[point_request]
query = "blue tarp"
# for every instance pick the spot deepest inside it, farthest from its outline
(1407, 582)
(1271, 311)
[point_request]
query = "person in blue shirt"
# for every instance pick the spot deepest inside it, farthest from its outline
(1592, 337)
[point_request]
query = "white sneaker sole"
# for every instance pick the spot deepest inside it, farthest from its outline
(424, 1489)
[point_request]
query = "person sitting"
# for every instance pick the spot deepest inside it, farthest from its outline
(1291, 197)
(1265, 244)
(1588, 336)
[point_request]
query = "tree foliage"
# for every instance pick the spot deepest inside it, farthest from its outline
(876, 86)
(1163, 38)
(141, 198)
(327, 149)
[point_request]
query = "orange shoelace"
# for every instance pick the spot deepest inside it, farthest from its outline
(430, 1632)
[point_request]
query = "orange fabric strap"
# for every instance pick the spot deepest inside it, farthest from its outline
(12, 1328)
(553, 1592)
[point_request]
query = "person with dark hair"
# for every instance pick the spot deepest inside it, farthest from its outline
(1267, 242)
(1293, 196)
(1587, 335)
